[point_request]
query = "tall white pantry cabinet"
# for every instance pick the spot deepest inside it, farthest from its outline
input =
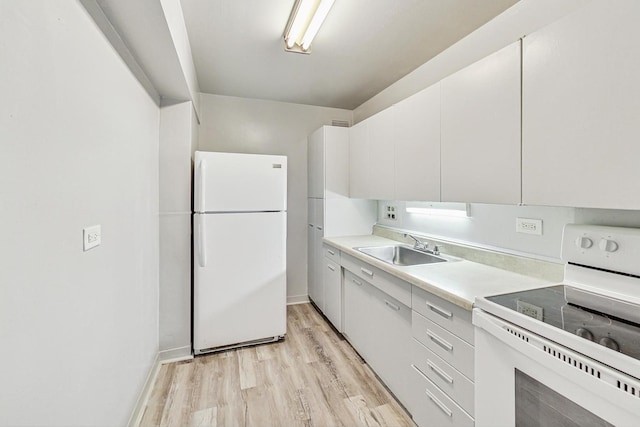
(331, 212)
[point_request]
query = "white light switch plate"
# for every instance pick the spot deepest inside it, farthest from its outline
(92, 237)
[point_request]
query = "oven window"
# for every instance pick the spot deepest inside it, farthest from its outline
(539, 406)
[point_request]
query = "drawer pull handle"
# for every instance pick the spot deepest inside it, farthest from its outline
(357, 282)
(442, 374)
(395, 307)
(442, 312)
(311, 225)
(439, 404)
(331, 252)
(318, 227)
(367, 272)
(331, 267)
(436, 339)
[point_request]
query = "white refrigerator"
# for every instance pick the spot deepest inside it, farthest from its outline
(239, 247)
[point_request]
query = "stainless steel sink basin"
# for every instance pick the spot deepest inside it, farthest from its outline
(400, 255)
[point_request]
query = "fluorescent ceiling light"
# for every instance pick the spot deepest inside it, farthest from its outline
(304, 22)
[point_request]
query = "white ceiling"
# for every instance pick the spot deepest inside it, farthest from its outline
(363, 46)
(237, 47)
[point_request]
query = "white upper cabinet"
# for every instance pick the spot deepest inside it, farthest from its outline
(358, 160)
(381, 169)
(336, 162)
(371, 157)
(417, 146)
(328, 162)
(581, 109)
(480, 130)
(315, 164)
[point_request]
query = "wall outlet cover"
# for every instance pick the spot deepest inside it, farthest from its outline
(390, 212)
(92, 237)
(529, 226)
(529, 310)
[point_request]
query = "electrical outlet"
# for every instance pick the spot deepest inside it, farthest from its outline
(529, 226)
(92, 237)
(529, 309)
(390, 212)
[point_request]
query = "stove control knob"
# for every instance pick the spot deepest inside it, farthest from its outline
(584, 333)
(584, 242)
(610, 343)
(608, 245)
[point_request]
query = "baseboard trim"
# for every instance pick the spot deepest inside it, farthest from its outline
(297, 299)
(163, 357)
(143, 398)
(175, 355)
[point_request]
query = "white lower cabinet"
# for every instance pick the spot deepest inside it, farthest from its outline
(419, 344)
(432, 407)
(315, 232)
(379, 328)
(332, 279)
(357, 310)
(442, 357)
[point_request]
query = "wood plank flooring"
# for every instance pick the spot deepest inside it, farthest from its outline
(312, 378)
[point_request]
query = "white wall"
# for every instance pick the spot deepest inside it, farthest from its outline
(267, 127)
(493, 226)
(78, 147)
(519, 20)
(178, 140)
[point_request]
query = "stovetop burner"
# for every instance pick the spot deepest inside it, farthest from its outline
(612, 323)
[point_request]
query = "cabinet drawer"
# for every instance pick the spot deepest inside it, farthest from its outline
(332, 253)
(449, 347)
(390, 285)
(446, 314)
(449, 379)
(436, 408)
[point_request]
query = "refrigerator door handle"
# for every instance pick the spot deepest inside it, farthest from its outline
(202, 248)
(202, 171)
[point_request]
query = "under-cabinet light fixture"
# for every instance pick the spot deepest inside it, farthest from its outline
(459, 210)
(304, 22)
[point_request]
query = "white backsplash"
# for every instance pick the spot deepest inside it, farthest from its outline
(494, 226)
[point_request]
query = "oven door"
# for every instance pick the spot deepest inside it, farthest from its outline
(524, 380)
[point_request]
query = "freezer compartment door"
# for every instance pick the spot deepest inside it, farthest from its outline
(239, 278)
(231, 182)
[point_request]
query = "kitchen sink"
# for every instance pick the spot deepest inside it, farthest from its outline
(400, 255)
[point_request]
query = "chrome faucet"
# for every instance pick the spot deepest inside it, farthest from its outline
(423, 246)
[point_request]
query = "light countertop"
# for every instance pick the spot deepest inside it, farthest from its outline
(459, 282)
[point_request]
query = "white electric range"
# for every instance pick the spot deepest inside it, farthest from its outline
(569, 354)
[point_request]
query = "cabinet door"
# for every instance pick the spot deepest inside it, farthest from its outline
(417, 146)
(358, 160)
(318, 256)
(357, 314)
(390, 323)
(481, 130)
(336, 162)
(380, 169)
(332, 278)
(581, 109)
(315, 164)
(312, 254)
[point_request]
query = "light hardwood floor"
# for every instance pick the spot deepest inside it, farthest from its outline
(312, 378)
